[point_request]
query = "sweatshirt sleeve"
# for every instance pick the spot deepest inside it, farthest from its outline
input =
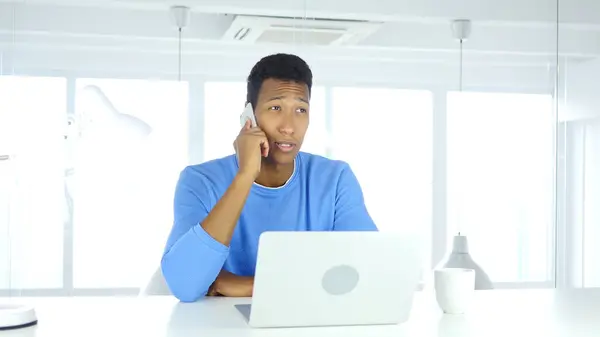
(192, 258)
(350, 210)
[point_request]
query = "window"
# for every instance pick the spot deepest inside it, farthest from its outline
(386, 137)
(32, 207)
(110, 175)
(500, 181)
(132, 145)
(224, 102)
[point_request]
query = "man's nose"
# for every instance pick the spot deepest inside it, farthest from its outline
(287, 124)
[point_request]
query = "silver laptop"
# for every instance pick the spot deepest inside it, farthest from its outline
(334, 278)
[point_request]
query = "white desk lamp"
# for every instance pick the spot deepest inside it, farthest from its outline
(100, 113)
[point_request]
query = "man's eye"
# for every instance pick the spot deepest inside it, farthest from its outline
(302, 110)
(275, 108)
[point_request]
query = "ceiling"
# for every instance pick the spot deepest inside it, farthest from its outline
(574, 11)
(517, 33)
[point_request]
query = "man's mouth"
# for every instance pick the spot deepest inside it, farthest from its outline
(285, 146)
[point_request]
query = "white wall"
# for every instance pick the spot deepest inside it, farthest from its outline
(349, 72)
(580, 94)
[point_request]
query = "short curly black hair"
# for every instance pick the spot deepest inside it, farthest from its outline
(285, 67)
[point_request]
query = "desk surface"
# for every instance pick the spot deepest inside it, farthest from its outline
(548, 313)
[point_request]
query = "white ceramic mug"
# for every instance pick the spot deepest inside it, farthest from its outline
(454, 289)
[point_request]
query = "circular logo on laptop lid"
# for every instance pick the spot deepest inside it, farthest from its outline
(340, 280)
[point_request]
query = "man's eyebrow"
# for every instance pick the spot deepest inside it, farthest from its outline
(301, 99)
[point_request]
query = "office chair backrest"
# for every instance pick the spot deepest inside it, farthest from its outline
(156, 286)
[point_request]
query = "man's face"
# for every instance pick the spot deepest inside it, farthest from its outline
(282, 112)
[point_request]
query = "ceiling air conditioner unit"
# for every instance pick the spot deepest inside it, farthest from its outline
(264, 29)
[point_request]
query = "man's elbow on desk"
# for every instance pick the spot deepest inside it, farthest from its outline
(183, 286)
(184, 290)
(189, 297)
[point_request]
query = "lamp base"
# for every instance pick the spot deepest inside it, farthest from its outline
(14, 316)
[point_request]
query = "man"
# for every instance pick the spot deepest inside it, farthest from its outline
(222, 206)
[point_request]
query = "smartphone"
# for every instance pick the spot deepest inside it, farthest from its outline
(248, 114)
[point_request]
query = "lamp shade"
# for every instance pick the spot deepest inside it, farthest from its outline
(460, 258)
(100, 115)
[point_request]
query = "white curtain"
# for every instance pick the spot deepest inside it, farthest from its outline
(591, 206)
(581, 202)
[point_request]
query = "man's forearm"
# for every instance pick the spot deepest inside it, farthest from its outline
(220, 222)
(231, 285)
(240, 286)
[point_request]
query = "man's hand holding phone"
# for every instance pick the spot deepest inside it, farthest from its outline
(250, 145)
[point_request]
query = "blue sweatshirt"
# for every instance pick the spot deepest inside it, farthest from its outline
(321, 195)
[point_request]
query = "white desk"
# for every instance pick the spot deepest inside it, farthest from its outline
(511, 313)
